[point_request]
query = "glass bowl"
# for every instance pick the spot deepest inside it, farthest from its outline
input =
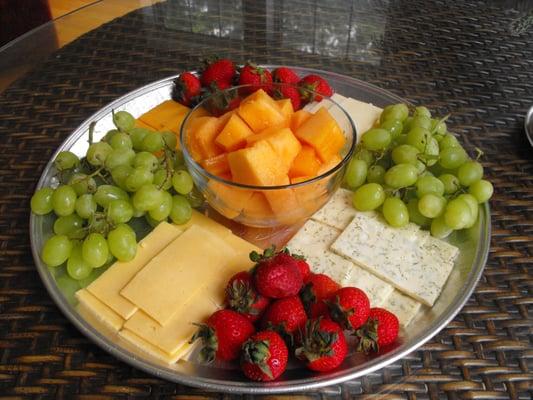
(292, 200)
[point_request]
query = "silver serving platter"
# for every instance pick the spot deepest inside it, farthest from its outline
(473, 244)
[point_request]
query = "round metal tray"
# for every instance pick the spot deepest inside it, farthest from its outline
(473, 244)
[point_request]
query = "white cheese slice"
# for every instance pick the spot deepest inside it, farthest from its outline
(375, 288)
(364, 115)
(338, 211)
(97, 313)
(404, 307)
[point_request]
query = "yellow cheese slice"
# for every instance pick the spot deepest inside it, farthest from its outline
(241, 261)
(97, 313)
(155, 352)
(207, 223)
(170, 279)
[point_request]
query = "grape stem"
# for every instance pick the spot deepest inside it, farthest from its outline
(92, 125)
(168, 167)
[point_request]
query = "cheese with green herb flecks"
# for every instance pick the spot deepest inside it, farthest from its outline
(404, 307)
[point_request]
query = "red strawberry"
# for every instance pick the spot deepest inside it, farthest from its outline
(349, 307)
(285, 316)
(222, 101)
(218, 73)
(288, 92)
(258, 77)
(302, 265)
(323, 345)
(223, 335)
(276, 275)
(318, 287)
(380, 329)
(242, 297)
(316, 84)
(285, 75)
(264, 356)
(186, 89)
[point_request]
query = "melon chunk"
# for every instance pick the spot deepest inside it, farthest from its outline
(257, 207)
(227, 200)
(284, 202)
(260, 111)
(233, 135)
(322, 132)
(298, 118)
(282, 141)
(256, 165)
(285, 106)
(305, 163)
(164, 115)
(201, 133)
(217, 165)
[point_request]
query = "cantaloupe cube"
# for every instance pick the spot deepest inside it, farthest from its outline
(285, 106)
(284, 202)
(256, 165)
(201, 133)
(322, 132)
(227, 200)
(257, 207)
(260, 111)
(233, 135)
(305, 163)
(300, 179)
(298, 118)
(332, 163)
(164, 113)
(217, 165)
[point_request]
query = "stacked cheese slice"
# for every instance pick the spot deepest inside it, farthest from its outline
(398, 268)
(176, 279)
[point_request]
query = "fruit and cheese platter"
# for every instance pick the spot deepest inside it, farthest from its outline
(261, 229)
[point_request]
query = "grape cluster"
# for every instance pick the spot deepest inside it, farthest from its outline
(412, 169)
(131, 173)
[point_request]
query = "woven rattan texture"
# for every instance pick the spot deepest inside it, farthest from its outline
(464, 58)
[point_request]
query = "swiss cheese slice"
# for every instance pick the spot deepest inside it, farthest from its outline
(97, 313)
(139, 343)
(403, 306)
(108, 286)
(170, 279)
(364, 115)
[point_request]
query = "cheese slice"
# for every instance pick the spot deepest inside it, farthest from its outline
(207, 223)
(138, 343)
(364, 115)
(404, 307)
(108, 286)
(97, 313)
(338, 211)
(170, 279)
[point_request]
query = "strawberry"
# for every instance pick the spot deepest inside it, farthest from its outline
(242, 297)
(349, 307)
(258, 77)
(285, 75)
(218, 73)
(222, 101)
(285, 316)
(316, 84)
(288, 92)
(317, 289)
(186, 89)
(323, 345)
(276, 274)
(264, 356)
(380, 329)
(302, 265)
(223, 335)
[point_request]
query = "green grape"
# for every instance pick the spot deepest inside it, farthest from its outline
(470, 172)
(429, 184)
(77, 268)
(85, 206)
(146, 160)
(138, 177)
(162, 179)
(405, 154)
(152, 222)
(119, 211)
(452, 157)
(394, 126)
(82, 183)
(431, 205)
(109, 135)
(138, 213)
(123, 120)
(179, 160)
(395, 212)
(64, 200)
(376, 139)
(97, 153)
(195, 198)
(181, 211)
(418, 137)
(395, 111)
(473, 205)
(137, 136)
(66, 160)
(169, 138)
(126, 229)
(95, 273)
(95, 250)
(120, 174)
(449, 141)
(107, 193)
(147, 198)
(41, 201)
(56, 250)
(421, 121)
(376, 174)
(68, 287)
(122, 244)
(422, 111)
(451, 183)
(407, 125)
(153, 142)
(399, 140)
(162, 211)
(431, 152)
(457, 214)
(121, 140)
(482, 190)
(420, 167)
(182, 182)
(119, 157)
(368, 197)
(68, 224)
(356, 173)
(401, 175)
(365, 155)
(439, 128)
(439, 229)
(414, 214)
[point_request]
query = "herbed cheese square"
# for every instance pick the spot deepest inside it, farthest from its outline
(403, 306)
